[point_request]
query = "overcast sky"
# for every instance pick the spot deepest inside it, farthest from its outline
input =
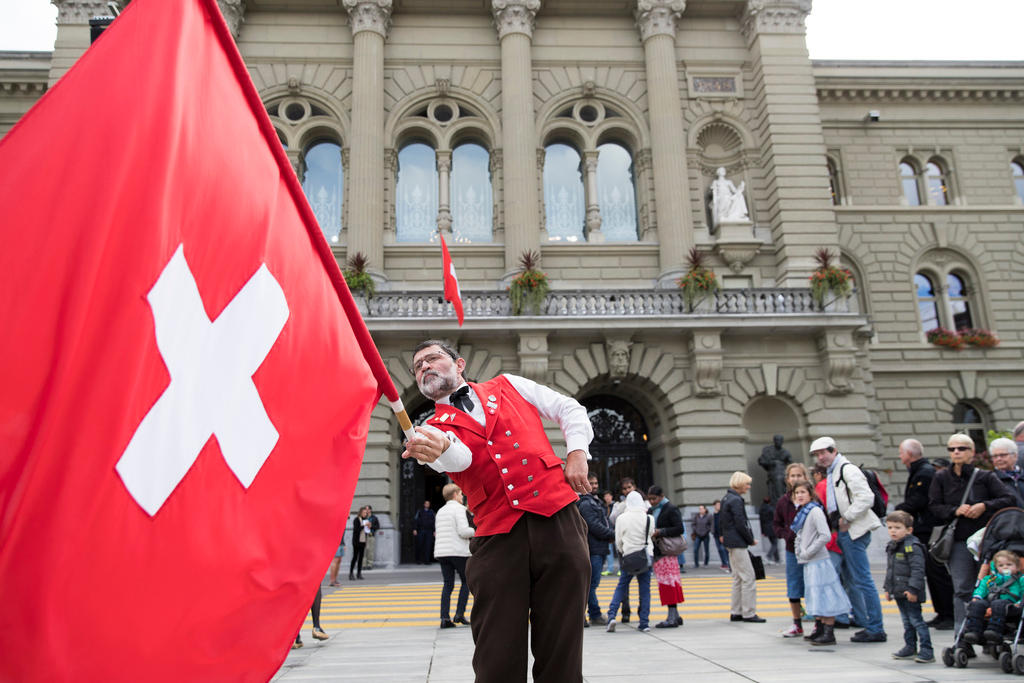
(836, 29)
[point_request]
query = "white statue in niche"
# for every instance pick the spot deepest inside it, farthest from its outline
(727, 202)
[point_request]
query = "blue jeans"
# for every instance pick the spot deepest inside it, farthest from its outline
(702, 541)
(862, 586)
(722, 552)
(915, 631)
(609, 559)
(622, 592)
(596, 564)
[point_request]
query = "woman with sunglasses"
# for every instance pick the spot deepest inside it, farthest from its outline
(987, 495)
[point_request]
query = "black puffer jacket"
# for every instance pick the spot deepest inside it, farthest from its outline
(905, 570)
(736, 531)
(599, 531)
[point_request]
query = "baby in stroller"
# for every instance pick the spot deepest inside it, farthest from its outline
(1001, 591)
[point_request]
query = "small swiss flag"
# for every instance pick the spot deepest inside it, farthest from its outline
(451, 282)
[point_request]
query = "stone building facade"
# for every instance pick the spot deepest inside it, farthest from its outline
(591, 132)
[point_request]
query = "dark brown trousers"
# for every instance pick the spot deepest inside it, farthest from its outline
(537, 573)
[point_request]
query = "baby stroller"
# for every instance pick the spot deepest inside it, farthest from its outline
(1005, 531)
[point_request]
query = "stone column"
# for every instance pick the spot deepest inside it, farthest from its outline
(656, 20)
(594, 233)
(514, 21)
(444, 213)
(370, 20)
(801, 217)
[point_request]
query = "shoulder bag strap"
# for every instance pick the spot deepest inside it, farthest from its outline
(970, 483)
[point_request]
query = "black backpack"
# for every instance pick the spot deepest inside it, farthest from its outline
(881, 501)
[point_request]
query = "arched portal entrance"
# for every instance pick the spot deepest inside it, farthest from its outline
(418, 483)
(619, 448)
(765, 417)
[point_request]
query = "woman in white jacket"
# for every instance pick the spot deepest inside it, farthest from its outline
(633, 529)
(451, 548)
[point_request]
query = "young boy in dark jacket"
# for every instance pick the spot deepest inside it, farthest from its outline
(904, 583)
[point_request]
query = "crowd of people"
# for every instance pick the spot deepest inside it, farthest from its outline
(532, 541)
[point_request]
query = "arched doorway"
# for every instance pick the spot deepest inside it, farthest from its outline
(765, 417)
(619, 448)
(418, 483)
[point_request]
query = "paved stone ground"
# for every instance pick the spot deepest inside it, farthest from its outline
(702, 651)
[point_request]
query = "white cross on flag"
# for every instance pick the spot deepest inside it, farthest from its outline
(185, 383)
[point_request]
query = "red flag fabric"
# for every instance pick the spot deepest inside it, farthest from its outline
(452, 292)
(184, 397)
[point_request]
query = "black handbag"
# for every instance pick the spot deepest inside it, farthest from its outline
(758, 566)
(637, 562)
(940, 545)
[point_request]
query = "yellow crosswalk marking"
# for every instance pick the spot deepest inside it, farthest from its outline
(376, 606)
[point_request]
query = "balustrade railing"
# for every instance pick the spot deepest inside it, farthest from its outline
(612, 303)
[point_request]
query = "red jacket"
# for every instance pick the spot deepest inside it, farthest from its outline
(514, 468)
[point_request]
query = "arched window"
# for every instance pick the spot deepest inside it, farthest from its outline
(927, 302)
(1017, 172)
(945, 298)
(323, 182)
(616, 193)
(908, 180)
(936, 183)
(416, 194)
(959, 305)
(472, 206)
(970, 420)
(563, 193)
(833, 181)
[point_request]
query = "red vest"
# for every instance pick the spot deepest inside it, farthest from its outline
(514, 468)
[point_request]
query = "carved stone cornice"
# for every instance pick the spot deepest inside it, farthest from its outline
(79, 11)
(658, 17)
(774, 16)
(920, 93)
(369, 15)
(514, 16)
(234, 15)
(22, 88)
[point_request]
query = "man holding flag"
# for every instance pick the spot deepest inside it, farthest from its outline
(178, 334)
(530, 560)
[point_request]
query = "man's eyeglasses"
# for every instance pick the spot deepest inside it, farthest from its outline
(1004, 455)
(952, 449)
(427, 360)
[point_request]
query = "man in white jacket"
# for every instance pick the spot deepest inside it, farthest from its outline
(451, 548)
(848, 501)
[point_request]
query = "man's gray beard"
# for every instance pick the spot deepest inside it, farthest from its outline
(442, 389)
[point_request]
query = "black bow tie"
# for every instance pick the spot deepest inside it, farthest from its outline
(461, 400)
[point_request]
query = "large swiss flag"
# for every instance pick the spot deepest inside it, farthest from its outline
(185, 386)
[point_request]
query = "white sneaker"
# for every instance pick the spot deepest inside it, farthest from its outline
(793, 631)
(611, 626)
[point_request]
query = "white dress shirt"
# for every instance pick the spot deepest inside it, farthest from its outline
(567, 412)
